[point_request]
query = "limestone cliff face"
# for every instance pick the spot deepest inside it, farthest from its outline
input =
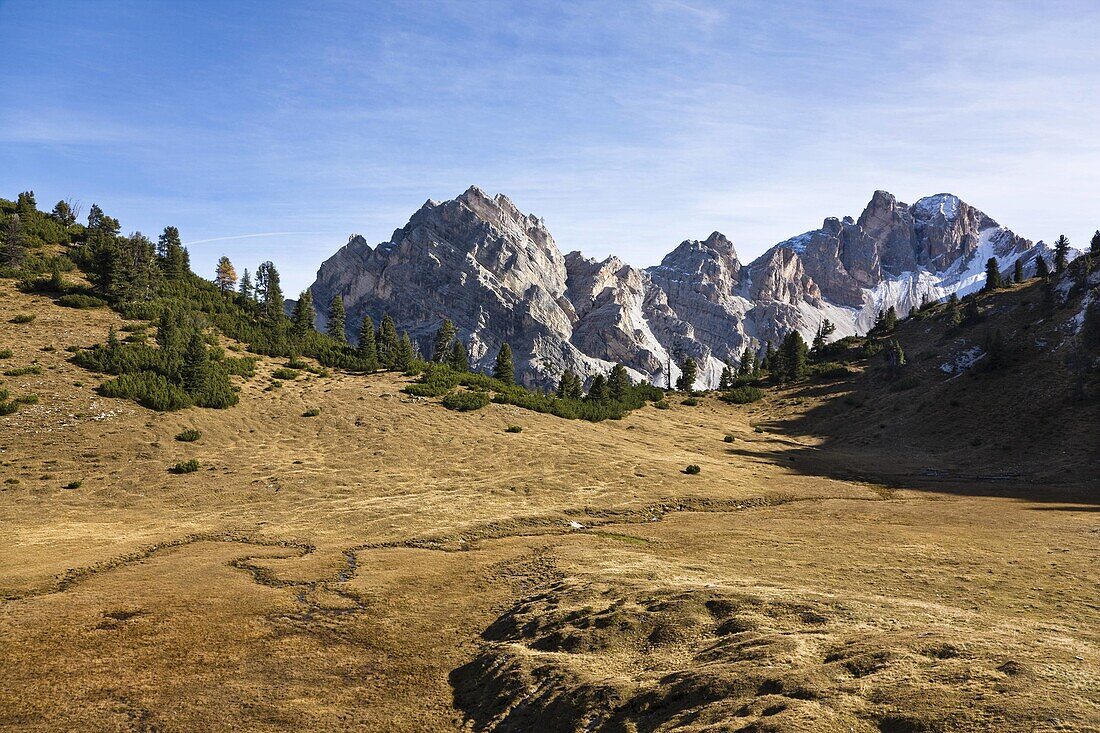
(497, 274)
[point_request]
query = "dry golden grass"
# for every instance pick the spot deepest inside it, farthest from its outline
(389, 565)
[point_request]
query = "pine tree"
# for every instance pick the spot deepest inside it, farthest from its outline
(745, 366)
(795, 357)
(13, 244)
(993, 279)
(619, 382)
(564, 383)
(1018, 271)
(726, 380)
(503, 368)
(1042, 269)
(443, 338)
(226, 275)
(196, 365)
(406, 354)
(269, 292)
(172, 255)
(770, 355)
(246, 285)
(1094, 245)
(889, 320)
(688, 374)
(895, 359)
(337, 320)
(63, 214)
(1061, 254)
(304, 313)
(996, 352)
(389, 342)
(598, 391)
(459, 359)
(972, 313)
(570, 386)
(367, 349)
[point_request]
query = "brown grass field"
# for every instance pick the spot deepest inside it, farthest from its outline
(389, 565)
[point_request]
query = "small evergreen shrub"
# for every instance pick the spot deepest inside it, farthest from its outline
(743, 395)
(5, 353)
(909, 381)
(27, 399)
(690, 402)
(148, 389)
(23, 318)
(466, 401)
(190, 435)
(513, 429)
(285, 373)
(23, 371)
(661, 404)
(692, 470)
(81, 301)
(297, 363)
(831, 370)
(312, 412)
(728, 439)
(74, 484)
(244, 366)
(189, 466)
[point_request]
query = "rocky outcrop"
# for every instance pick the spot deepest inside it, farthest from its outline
(498, 275)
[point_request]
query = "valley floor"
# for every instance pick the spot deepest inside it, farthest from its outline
(389, 565)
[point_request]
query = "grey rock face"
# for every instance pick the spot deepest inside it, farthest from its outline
(497, 274)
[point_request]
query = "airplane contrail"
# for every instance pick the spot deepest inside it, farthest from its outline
(247, 236)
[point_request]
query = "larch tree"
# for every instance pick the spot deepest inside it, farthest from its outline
(225, 277)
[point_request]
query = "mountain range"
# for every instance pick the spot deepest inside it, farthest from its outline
(497, 274)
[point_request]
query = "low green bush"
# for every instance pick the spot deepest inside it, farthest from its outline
(661, 404)
(80, 300)
(23, 318)
(74, 484)
(23, 371)
(743, 395)
(285, 373)
(189, 466)
(909, 381)
(830, 370)
(148, 389)
(190, 435)
(690, 402)
(466, 401)
(5, 353)
(312, 412)
(27, 399)
(729, 438)
(513, 429)
(692, 470)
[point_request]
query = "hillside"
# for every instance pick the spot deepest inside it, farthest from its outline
(351, 557)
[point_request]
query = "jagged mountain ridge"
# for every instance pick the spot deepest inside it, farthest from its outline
(498, 275)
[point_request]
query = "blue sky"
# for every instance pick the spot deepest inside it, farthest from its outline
(627, 126)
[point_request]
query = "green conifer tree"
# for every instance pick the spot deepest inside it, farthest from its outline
(367, 348)
(1061, 254)
(269, 292)
(337, 320)
(993, 279)
(726, 380)
(459, 358)
(1094, 245)
(688, 374)
(406, 354)
(598, 391)
(196, 365)
(619, 383)
(389, 343)
(1018, 271)
(795, 357)
(246, 285)
(443, 338)
(1042, 269)
(304, 313)
(503, 368)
